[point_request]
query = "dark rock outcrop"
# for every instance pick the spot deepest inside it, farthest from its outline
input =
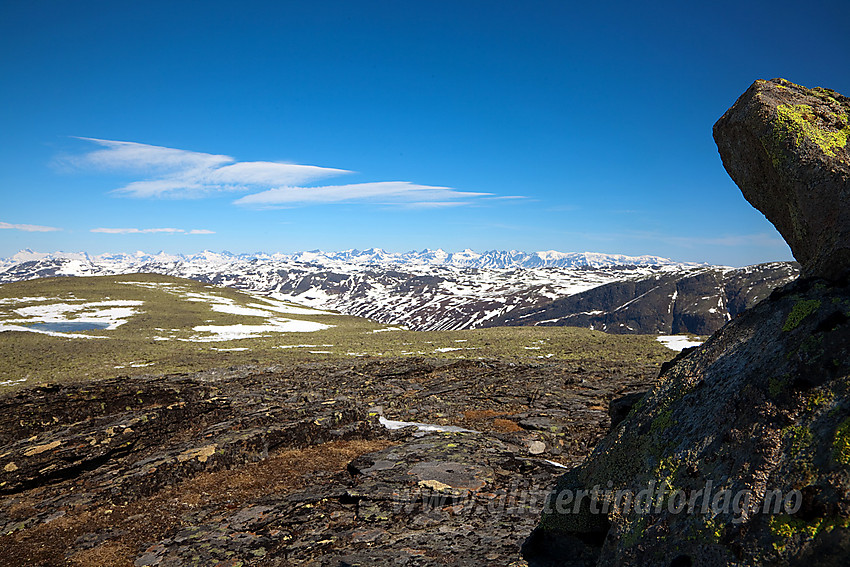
(740, 454)
(786, 147)
(291, 465)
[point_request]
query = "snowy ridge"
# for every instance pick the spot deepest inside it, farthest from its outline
(493, 259)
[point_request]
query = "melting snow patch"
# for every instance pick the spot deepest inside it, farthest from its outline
(135, 365)
(229, 349)
(232, 332)
(392, 424)
(8, 382)
(50, 333)
(388, 329)
(112, 313)
(677, 342)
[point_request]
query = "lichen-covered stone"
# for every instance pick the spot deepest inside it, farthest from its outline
(786, 146)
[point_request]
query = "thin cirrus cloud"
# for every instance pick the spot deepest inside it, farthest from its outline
(386, 193)
(150, 231)
(181, 174)
(27, 227)
(174, 173)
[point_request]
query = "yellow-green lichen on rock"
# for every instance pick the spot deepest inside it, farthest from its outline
(800, 122)
(785, 528)
(800, 311)
(841, 443)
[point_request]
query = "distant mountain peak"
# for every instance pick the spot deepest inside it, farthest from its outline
(466, 258)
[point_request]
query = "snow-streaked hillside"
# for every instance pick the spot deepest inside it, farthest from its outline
(494, 259)
(426, 290)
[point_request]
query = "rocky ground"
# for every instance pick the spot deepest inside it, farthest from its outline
(295, 466)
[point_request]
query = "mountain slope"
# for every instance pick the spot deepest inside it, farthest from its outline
(699, 302)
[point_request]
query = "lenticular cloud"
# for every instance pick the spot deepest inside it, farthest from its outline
(174, 173)
(180, 174)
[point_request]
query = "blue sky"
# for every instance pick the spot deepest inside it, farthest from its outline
(286, 126)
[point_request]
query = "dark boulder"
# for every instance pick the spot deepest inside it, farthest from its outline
(786, 148)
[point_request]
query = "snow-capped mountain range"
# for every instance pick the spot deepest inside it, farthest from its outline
(493, 259)
(426, 290)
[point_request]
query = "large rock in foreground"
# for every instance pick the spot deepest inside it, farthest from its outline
(786, 147)
(740, 455)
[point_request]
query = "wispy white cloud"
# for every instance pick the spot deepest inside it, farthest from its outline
(27, 227)
(150, 231)
(384, 193)
(435, 204)
(174, 173)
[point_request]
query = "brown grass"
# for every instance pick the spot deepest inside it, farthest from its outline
(476, 415)
(505, 426)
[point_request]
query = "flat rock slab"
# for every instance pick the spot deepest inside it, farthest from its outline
(292, 466)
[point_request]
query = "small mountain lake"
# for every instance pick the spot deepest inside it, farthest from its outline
(67, 326)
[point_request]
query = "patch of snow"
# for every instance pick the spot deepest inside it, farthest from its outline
(114, 313)
(677, 342)
(233, 332)
(392, 424)
(4, 328)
